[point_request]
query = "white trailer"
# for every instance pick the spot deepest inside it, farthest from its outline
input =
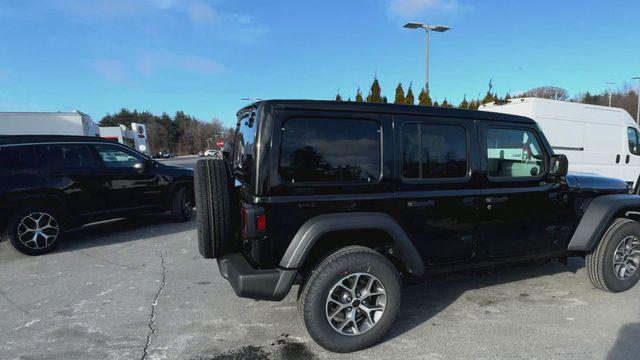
(47, 123)
(596, 139)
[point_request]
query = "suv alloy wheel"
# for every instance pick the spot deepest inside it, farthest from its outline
(613, 265)
(34, 231)
(350, 300)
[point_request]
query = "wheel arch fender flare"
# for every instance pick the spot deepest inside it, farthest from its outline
(597, 217)
(314, 228)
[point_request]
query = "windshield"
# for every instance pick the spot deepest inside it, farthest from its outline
(244, 152)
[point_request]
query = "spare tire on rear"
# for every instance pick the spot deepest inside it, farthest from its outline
(213, 191)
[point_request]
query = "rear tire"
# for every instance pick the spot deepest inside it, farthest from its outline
(34, 230)
(326, 307)
(613, 265)
(213, 206)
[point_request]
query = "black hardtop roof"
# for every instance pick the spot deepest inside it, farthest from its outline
(35, 139)
(350, 106)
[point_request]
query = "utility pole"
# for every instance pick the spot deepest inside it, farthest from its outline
(638, 92)
(610, 83)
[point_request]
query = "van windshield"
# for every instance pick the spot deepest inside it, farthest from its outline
(244, 148)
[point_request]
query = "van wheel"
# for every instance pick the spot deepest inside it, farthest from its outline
(34, 231)
(613, 265)
(350, 300)
(181, 205)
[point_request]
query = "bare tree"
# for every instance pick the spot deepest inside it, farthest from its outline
(547, 92)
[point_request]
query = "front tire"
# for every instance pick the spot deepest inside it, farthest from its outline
(613, 265)
(350, 300)
(181, 205)
(34, 230)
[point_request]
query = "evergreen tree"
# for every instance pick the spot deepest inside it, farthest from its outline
(464, 104)
(446, 104)
(359, 96)
(338, 97)
(489, 96)
(384, 99)
(400, 98)
(375, 93)
(349, 99)
(436, 104)
(424, 99)
(410, 99)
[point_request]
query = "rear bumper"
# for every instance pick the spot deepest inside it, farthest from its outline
(248, 282)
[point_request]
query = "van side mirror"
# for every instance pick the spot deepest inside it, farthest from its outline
(559, 165)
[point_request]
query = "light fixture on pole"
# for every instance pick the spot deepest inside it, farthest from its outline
(638, 91)
(427, 28)
(251, 99)
(610, 83)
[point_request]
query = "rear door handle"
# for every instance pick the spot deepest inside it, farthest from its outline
(496, 200)
(618, 159)
(416, 204)
(626, 160)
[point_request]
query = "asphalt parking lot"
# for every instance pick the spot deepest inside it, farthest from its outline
(138, 289)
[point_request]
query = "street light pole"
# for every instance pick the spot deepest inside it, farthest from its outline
(610, 83)
(426, 70)
(638, 91)
(427, 29)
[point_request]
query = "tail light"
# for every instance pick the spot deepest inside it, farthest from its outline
(254, 221)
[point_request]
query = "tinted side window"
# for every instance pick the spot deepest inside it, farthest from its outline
(434, 151)
(244, 152)
(118, 156)
(513, 153)
(330, 150)
(634, 139)
(16, 158)
(65, 156)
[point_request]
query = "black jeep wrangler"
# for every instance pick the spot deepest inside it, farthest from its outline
(346, 198)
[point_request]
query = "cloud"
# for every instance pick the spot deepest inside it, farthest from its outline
(112, 70)
(151, 63)
(201, 13)
(201, 64)
(411, 8)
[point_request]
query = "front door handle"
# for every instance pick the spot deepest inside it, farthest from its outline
(626, 160)
(416, 204)
(618, 159)
(496, 200)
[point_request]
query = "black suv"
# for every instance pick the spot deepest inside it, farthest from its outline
(345, 198)
(52, 183)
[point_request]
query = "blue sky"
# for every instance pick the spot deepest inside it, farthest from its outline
(204, 56)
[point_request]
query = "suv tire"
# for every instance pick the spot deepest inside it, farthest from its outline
(34, 230)
(213, 205)
(326, 307)
(181, 205)
(613, 265)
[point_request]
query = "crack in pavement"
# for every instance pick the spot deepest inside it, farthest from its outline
(152, 315)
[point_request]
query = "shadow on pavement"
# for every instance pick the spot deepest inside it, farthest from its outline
(627, 345)
(422, 300)
(122, 231)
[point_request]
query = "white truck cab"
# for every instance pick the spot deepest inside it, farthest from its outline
(596, 139)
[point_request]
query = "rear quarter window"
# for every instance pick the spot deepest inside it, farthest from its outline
(14, 159)
(318, 150)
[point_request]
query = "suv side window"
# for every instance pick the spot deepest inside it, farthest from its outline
(114, 156)
(330, 150)
(431, 151)
(513, 153)
(15, 159)
(65, 156)
(634, 139)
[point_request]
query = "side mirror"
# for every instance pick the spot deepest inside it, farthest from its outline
(141, 166)
(559, 165)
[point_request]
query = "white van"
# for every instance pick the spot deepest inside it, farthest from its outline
(596, 139)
